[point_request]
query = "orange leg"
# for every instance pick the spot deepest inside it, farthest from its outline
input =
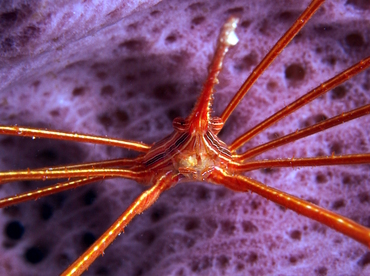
(143, 202)
(270, 57)
(64, 172)
(319, 127)
(68, 173)
(350, 159)
(121, 162)
(49, 190)
(335, 221)
(200, 115)
(70, 136)
(313, 94)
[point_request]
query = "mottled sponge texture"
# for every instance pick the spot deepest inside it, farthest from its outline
(126, 69)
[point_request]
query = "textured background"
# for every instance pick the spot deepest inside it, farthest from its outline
(126, 70)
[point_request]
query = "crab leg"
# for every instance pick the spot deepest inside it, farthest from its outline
(313, 94)
(335, 221)
(49, 190)
(270, 57)
(351, 159)
(143, 202)
(70, 136)
(68, 173)
(337, 120)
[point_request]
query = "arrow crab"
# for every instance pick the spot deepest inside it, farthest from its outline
(193, 228)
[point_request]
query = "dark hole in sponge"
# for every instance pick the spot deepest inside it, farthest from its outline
(171, 38)
(158, 213)
(286, 15)
(228, 227)
(105, 120)
(8, 19)
(203, 194)
(339, 204)
(235, 10)
(249, 227)
(165, 91)
(102, 271)
(252, 258)
(88, 239)
(198, 20)
(133, 45)
(192, 224)
(296, 235)
(321, 271)
(7, 45)
(338, 92)
(107, 90)
(223, 261)
(46, 211)
(78, 91)
(355, 40)
(321, 178)
(14, 230)
(89, 197)
(35, 254)
(247, 62)
(295, 72)
(121, 115)
(47, 155)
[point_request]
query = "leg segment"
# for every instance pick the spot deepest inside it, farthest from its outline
(144, 201)
(120, 162)
(70, 136)
(53, 189)
(200, 116)
(313, 94)
(69, 173)
(270, 57)
(335, 221)
(351, 159)
(337, 120)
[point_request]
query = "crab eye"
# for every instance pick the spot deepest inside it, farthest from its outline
(179, 124)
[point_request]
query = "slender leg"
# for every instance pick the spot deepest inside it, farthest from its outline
(144, 201)
(69, 173)
(59, 187)
(337, 222)
(49, 190)
(313, 94)
(351, 159)
(337, 120)
(70, 136)
(121, 163)
(200, 116)
(270, 57)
